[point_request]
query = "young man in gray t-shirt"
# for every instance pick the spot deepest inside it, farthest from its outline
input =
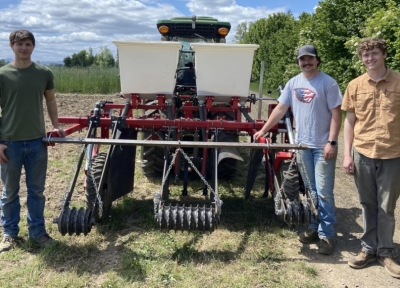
(315, 100)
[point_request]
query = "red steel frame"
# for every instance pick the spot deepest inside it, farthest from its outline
(186, 123)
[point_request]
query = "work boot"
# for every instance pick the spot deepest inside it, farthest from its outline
(361, 260)
(309, 237)
(44, 241)
(391, 266)
(325, 246)
(7, 243)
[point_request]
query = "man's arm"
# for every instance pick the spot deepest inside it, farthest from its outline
(273, 119)
(349, 122)
(330, 151)
(51, 105)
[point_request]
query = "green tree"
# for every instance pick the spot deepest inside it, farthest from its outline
(3, 62)
(241, 31)
(277, 35)
(385, 23)
(68, 61)
(334, 23)
(90, 58)
(79, 59)
(105, 58)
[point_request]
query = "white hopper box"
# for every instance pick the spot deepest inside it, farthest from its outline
(223, 70)
(148, 67)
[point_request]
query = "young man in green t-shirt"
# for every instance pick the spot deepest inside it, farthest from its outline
(23, 86)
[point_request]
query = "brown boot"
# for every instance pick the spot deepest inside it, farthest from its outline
(325, 246)
(7, 243)
(309, 237)
(361, 260)
(391, 266)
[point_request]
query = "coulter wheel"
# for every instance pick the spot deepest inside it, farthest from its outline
(187, 218)
(97, 164)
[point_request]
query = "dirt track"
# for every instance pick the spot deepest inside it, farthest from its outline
(333, 270)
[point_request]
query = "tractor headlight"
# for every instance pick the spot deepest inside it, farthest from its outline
(223, 31)
(163, 29)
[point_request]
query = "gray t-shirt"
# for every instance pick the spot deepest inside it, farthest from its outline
(311, 101)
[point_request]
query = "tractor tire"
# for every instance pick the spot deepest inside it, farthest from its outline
(227, 168)
(97, 164)
(153, 159)
(291, 186)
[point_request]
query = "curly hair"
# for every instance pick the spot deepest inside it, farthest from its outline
(19, 35)
(368, 44)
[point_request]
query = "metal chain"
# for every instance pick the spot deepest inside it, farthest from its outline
(169, 169)
(216, 197)
(217, 200)
(308, 183)
(96, 189)
(278, 194)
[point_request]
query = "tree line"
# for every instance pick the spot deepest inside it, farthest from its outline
(86, 59)
(335, 29)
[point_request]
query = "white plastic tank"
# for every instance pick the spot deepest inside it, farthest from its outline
(223, 70)
(148, 67)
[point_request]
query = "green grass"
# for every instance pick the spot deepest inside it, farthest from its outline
(92, 80)
(250, 248)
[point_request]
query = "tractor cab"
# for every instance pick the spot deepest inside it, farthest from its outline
(187, 30)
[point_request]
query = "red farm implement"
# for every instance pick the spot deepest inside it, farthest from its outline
(186, 127)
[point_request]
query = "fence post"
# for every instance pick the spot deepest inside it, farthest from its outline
(260, 91)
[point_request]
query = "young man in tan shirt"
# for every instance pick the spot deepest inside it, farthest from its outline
(372, 127)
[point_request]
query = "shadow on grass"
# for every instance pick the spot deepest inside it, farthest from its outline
(132, 218)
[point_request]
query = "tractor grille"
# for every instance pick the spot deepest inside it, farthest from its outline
(186, 29)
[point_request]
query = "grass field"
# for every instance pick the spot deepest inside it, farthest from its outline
(92, 80)
(251, 248)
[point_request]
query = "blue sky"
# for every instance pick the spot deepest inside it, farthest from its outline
(64, 27)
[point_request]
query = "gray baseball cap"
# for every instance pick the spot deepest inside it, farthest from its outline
(307, 50)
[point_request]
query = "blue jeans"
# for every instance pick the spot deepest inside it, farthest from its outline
(321, 173)
(32, 155)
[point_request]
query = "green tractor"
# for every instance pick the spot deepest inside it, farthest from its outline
(187, 30)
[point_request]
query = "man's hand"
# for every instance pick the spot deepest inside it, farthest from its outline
(257, 135)
(60, 132)
(330, 151)
(348, 165)
(3, 158)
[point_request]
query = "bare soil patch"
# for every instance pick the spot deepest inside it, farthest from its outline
(333, 270)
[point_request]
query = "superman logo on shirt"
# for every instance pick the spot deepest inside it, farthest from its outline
(304, 95)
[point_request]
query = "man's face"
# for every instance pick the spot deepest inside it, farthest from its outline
(23, 49)
(308, 64)
(373, 59)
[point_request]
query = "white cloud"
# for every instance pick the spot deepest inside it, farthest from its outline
(64, 27)
(230, 11)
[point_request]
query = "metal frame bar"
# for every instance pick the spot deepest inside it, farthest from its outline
(124, 142)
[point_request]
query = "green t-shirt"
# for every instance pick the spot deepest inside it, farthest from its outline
(21, 96)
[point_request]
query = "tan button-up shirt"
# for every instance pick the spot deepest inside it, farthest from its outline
(377, 109)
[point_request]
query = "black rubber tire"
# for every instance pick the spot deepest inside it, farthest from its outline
(291, 186)
(153, 158)
(227, 168)
(97, 164)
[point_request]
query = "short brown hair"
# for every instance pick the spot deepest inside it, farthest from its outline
(368, 44)
(19, 35)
